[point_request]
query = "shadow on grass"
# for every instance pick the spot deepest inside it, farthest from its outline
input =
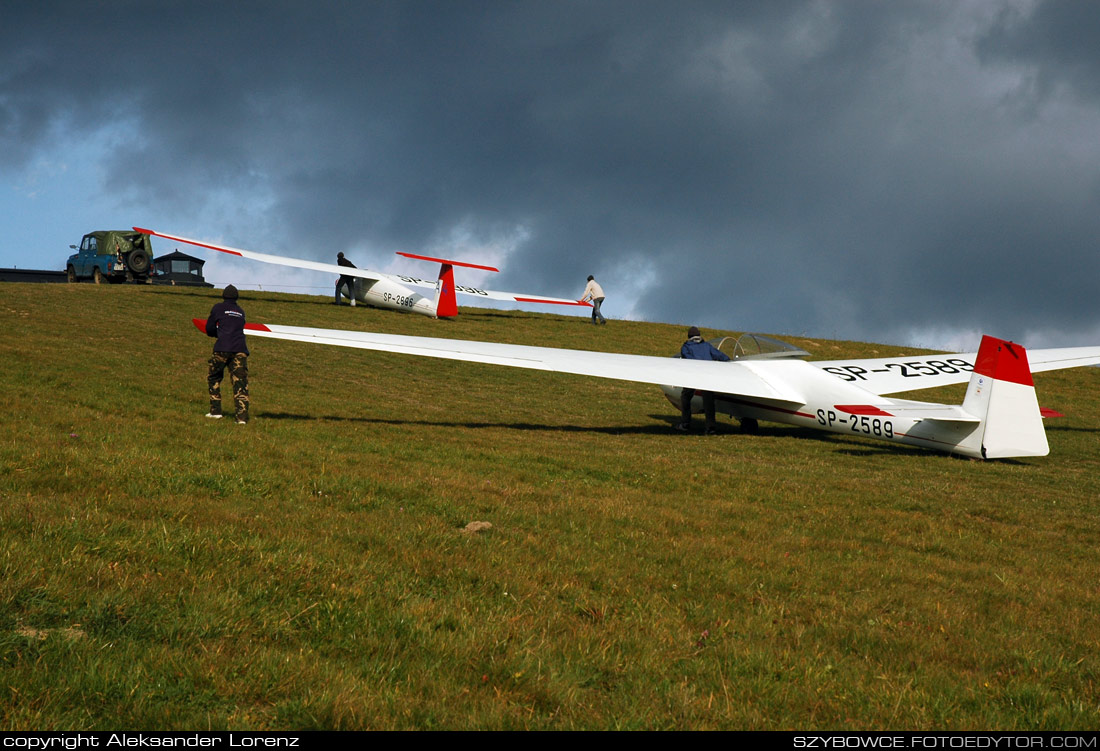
(246, 295)
(626, 430)
(866, 447)
(1067, 429)
(215, 294)
(841, 444)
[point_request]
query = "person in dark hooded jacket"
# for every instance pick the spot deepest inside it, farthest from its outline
(226, 323)
(697, 349)
(345, 280)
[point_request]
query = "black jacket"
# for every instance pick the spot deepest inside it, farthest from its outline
(349, 264)
(226, 322)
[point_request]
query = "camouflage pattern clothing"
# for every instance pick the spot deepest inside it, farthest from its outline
(237, 362)
(226, 323)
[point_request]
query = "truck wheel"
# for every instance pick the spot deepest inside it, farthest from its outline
(70, 275)
(97, 275)
(138, 261)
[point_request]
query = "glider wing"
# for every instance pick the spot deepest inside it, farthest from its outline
(269, 258)
(777, 383)
(892, 375)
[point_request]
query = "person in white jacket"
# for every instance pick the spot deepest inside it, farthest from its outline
(594, 292)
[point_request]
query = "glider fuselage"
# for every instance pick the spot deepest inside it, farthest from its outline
(831, 408)
(385, 293)
(999, 416)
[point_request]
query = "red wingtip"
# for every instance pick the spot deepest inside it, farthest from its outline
(1048, 412)
(199, 324)
(189, 242)
(553, 302)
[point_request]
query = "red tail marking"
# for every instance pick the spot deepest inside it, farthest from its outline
(1004, 361)
(447, 306)
(862, 409)
(447, 262)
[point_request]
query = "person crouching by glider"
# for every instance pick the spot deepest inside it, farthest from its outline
(594, 292)
(226, 323)
(696, 349)
(345, 279)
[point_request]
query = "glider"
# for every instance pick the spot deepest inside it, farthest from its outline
(392, 290)
(999, 417)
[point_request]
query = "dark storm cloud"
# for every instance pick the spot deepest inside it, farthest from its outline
(1060, 40)
(849, 168)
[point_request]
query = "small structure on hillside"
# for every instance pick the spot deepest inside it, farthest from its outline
(31, 275)
(179, 269)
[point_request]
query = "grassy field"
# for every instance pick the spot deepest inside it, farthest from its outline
(313, 569)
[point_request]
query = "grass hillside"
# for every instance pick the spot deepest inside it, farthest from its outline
(313, 569)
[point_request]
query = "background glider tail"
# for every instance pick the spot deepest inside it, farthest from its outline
(446, 306)
(447, 261)
(1002, 395)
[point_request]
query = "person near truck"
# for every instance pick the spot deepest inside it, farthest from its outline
(696, 349)
(345, 279)
(226, 323)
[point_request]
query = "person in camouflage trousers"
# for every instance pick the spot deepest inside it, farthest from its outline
(237, 362)
(226, 323)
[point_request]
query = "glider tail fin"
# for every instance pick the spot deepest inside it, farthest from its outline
(446, 306)
(1002, 395)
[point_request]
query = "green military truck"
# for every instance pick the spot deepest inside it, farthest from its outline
(113, 256)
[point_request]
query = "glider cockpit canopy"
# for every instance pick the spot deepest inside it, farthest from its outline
(758, 347)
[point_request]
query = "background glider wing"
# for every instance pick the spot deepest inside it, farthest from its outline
(724, 377)
(892, 375)
(1065, 357)
(268, 258)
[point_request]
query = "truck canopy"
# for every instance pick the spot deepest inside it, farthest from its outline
(111, 242)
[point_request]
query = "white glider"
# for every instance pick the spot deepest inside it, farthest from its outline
(389, 290)
(999, 417)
